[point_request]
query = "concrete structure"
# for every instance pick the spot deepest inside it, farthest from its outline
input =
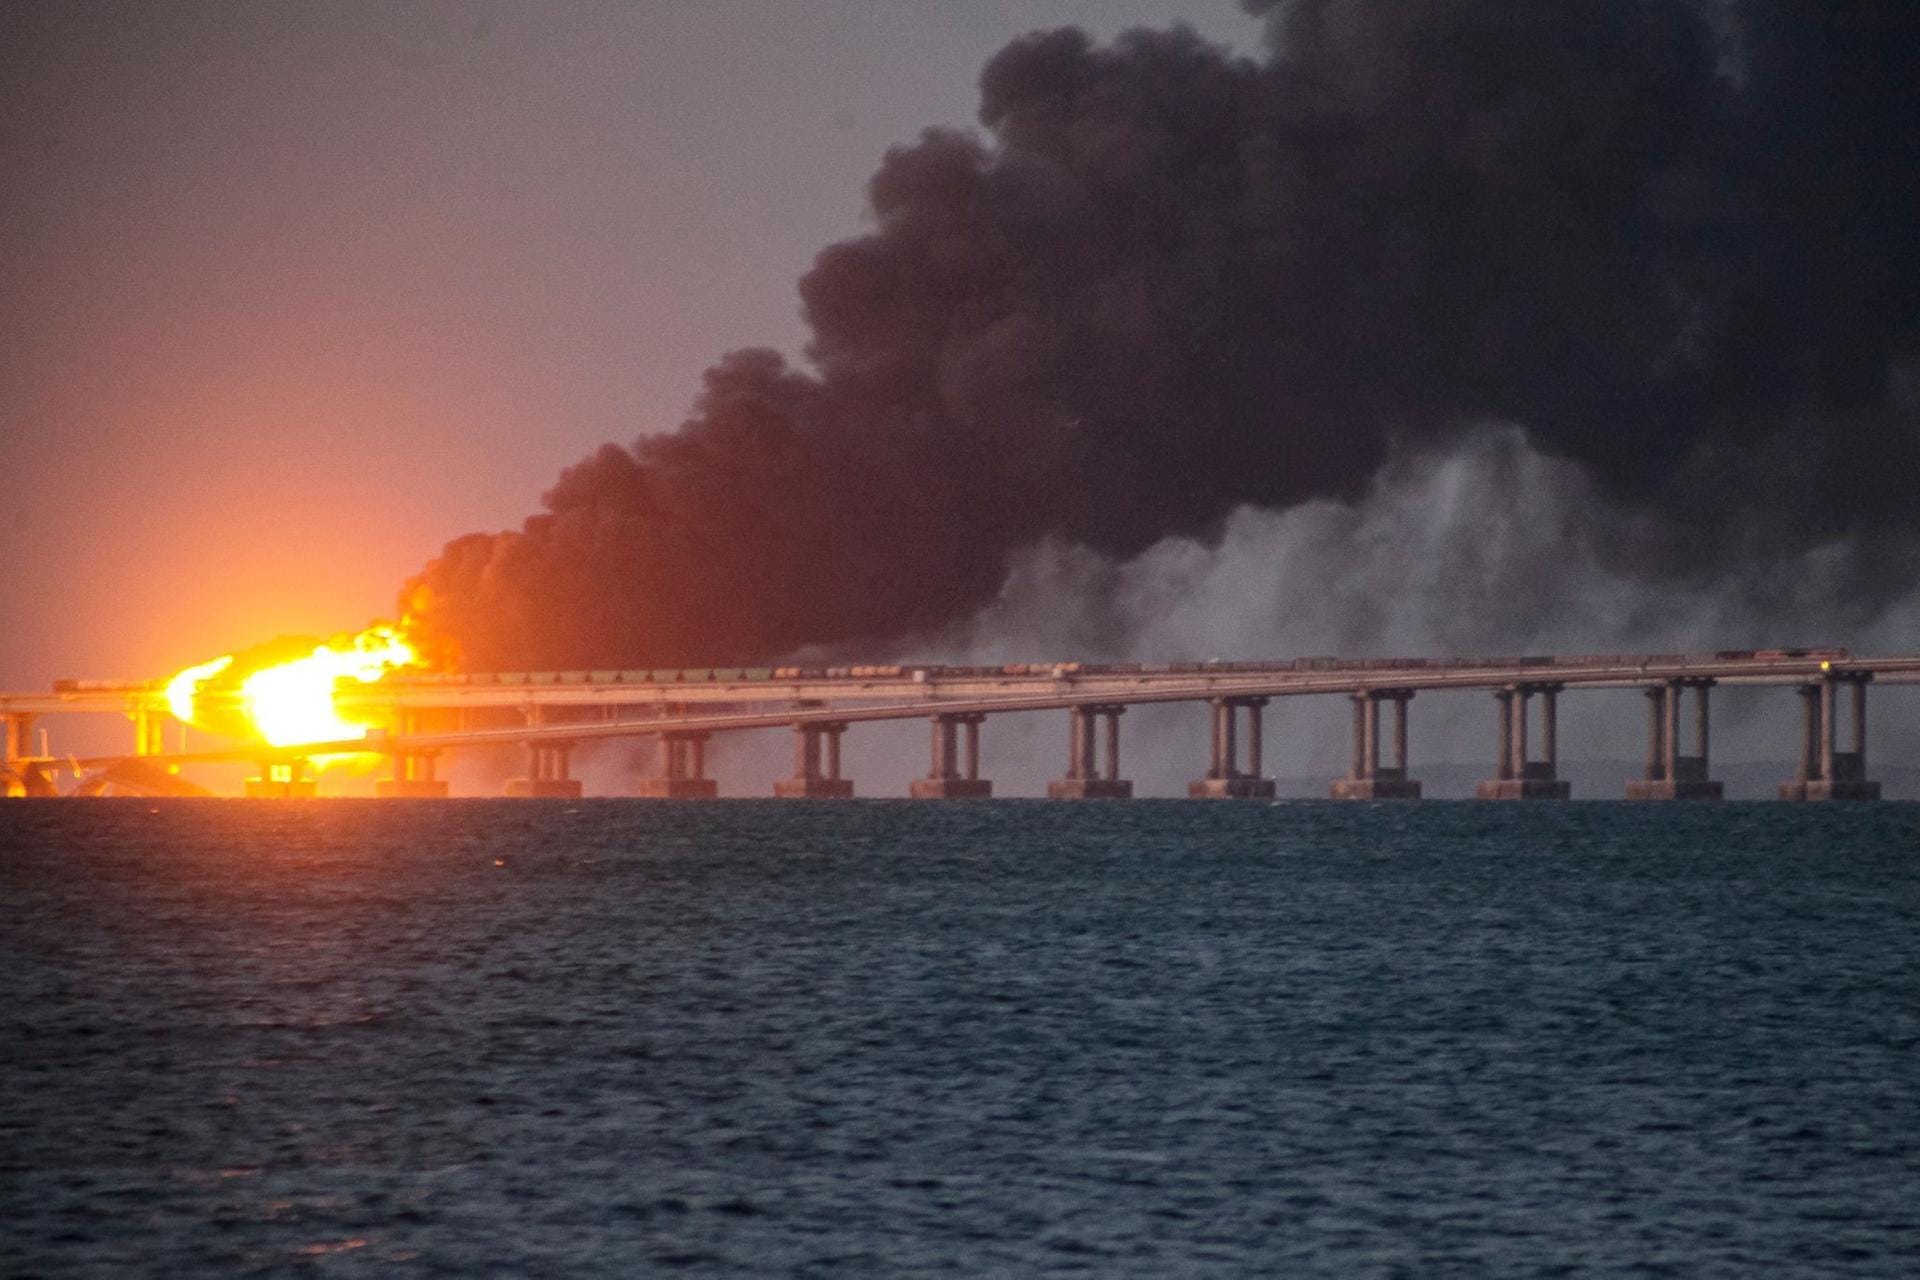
(1225, 779)
(281, 780)
(1519, 777)
(547, 713)
(412, 770)
(549, 776)
(816, 772)
(1086, 778)
(954, 775)
(1826, 773)
(1671, 775)
(683, 769)
(1369, 779)
(21, 774)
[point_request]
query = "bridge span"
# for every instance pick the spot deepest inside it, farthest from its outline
(549, 714)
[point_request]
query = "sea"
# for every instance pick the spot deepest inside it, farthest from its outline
(1006, 1038)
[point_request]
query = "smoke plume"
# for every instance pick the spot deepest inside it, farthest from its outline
(1668, 239)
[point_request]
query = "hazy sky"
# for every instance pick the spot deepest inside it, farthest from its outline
(295, 293)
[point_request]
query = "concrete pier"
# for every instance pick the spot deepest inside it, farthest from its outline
(1669, 774)
(1518, 777)
(1225, 779)
(413, 771)
(1368, 779)
(19, 776)
(281, 780)
(549, 774)
(1087, 778)
(683, 770)
(1825, 772)
(955, 771)
(149, 731)
(816, 765)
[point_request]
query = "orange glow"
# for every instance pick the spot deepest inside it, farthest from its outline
(290, 701)
(183, 687)
(293, 702)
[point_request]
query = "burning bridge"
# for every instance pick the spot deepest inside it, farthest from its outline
(549, 714)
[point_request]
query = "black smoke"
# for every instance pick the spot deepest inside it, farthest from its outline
(1671, 240)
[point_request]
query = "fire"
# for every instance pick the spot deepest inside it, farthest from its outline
(290, 701)
(293, 702)
(182, 689)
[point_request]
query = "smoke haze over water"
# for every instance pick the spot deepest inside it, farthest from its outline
(1179, 314)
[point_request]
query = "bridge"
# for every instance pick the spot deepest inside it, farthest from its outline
(549, 714)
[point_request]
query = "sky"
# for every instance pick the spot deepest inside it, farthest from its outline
(293, 293)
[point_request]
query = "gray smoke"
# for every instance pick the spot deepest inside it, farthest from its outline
(1169, 289)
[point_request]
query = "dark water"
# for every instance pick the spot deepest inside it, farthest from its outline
(757, 1038)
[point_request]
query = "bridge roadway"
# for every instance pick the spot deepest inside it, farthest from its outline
(827, 702)
(1065, 681)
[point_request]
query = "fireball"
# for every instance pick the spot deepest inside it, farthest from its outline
(288, 701)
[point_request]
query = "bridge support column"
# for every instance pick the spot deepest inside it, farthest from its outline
(549, 773)
(683, 770)
(1086, 778)
(281, 780)
(1225, 779)
(412, 770)
(1827, 773)
(954, 773)
(1519, 777)
(19, 774)
(816, 765)
(149, 731)
(1369, 779)
(1671, 775)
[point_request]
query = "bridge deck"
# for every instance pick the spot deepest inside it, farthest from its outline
(760, 701)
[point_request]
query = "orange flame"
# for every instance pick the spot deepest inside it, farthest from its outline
(291, 702)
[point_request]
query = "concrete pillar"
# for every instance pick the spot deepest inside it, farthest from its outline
(281, 780)
(1550, 730)
(16, 777)
(1225, 780)
(806, 751)
(1229, 749)
(1826, 773)
(412, 778)
(1400, 731)
(1083, 762)
(1656, 733)
(149, 731)
(1517, 780)
(812, 778)
(1860, 720)
(1809, 731)
(1091, 782)
(1373, 736)
(1359, 769)
(19, 726)
(1518, 769)
(1828, 728)
(1670, 731)
(1504, 698)
(683, 768)
(1256, 737)
(954, 776)
(1702, 730)
(1367, 780)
